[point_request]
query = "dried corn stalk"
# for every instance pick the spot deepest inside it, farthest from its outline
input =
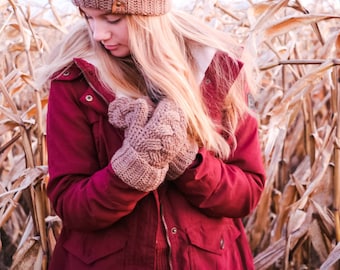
(27, 235)
(296, 224)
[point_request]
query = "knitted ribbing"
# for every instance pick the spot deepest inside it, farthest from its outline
(133, 169)
(136, 7)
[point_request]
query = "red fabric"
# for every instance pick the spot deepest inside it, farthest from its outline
(109, 225)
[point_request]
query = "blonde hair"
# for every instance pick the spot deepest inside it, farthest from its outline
(163, 65)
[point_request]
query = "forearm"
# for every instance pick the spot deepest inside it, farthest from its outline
(83, 188)
(93, 202)
(220, 189)
(231, 188)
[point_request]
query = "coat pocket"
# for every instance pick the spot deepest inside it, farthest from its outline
(213, 246)
(213, 238)
(91, 247)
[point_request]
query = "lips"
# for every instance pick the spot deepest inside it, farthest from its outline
(111, 47)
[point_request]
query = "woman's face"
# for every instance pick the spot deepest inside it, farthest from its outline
(109, 29)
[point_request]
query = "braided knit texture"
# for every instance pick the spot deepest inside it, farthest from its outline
(123, 111)
(160, 137)
(136, 7)
(150, 143)
(133, 169)
(164, 128)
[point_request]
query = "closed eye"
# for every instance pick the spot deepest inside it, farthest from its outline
(113, 21)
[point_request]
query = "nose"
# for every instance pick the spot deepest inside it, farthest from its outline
(100, 31)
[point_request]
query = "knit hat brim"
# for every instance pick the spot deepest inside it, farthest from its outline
(134, 7)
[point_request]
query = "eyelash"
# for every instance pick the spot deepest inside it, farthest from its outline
(109, 21)
(113, 21)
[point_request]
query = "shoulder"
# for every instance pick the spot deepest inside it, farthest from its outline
(212, 61)
(78, 77)
(227, 63)
(223, 68)
(67, 83)
(76, 69)
(67, 73)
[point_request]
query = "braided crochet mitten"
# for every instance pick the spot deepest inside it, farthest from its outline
(121, 113)
(183, 159)
(149, 145)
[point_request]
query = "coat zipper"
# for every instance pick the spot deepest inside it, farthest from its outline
(167, 235)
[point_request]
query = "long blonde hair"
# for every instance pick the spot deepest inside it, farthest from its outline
(162, 64)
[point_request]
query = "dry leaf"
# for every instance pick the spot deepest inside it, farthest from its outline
(332, 258)
(288, 24)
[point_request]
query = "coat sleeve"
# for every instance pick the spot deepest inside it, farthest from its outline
(85, 195)
(232, 188)
(229, 188)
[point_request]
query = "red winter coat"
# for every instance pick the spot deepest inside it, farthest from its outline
(109, 225)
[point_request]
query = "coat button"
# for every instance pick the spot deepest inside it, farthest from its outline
(222, 243)
(207, 81)
(89, 98)
(66, 73)
(173, 230)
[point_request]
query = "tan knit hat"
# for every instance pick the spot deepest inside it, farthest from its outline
(137, 7)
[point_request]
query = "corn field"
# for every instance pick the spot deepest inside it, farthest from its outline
(297, 56)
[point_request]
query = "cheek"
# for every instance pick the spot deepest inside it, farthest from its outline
(125, 37)
(124, 33)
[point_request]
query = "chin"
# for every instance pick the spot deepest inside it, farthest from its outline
(120, 54)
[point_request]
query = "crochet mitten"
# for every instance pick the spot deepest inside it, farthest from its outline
(130, 165)
(183, 159)
(149, 145)
(163, 135)
(133, 169)
(122, 109)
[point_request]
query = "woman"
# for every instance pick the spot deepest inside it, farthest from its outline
(154, 156)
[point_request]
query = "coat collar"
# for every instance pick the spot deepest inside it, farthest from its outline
(90, 73)
(203, 57)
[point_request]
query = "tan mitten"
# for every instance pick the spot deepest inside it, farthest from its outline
(151, 143)
(123, 111)
(133, 169)
(131, 166)
(182, 160)
(163, 135)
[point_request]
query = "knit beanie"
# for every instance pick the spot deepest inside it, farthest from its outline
(136, 7)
